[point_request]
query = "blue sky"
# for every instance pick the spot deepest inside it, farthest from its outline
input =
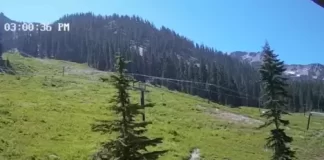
(294, 28)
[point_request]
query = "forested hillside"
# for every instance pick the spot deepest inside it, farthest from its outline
(157, 52)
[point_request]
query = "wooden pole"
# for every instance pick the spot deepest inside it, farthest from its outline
(63, 71)
(309, 116)
(259, 105)
(142, 88)
(208, 95)
(142, 104)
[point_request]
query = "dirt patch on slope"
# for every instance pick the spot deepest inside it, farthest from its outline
(231, 117)
(82, 71)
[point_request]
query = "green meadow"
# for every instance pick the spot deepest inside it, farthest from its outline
(47, 109)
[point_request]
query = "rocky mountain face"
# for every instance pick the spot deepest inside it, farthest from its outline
(309, 71)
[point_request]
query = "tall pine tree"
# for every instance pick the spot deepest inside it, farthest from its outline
(0, 45)
(274, 86)
(130, 144)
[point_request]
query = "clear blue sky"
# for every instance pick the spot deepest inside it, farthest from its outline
(294, 28)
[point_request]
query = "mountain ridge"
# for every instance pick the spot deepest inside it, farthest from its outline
(312, 70)
(159, 52)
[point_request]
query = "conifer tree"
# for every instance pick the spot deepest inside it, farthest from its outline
(274, 86)
(0, 50)
(131, 143)
(0, 45)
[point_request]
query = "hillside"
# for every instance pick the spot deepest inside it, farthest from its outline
(46, 115)
(160, 52)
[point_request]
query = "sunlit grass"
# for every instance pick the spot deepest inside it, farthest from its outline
(45, 114)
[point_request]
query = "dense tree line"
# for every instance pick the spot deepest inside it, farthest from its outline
(95, 39)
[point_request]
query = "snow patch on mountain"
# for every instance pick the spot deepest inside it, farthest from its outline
(141, 50)
(252, 57)
(290, 72)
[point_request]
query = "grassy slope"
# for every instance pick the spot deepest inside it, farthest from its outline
(43, 114)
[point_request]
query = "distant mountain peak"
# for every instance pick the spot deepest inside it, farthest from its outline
(312, 71)
(254, 58)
